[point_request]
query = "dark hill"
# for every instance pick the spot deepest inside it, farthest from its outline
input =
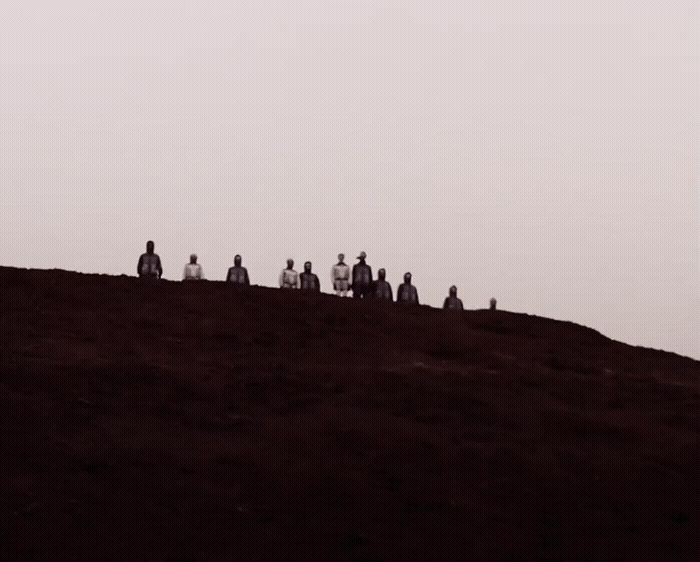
(197, 420)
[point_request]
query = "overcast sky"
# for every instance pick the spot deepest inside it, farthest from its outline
(542, 152)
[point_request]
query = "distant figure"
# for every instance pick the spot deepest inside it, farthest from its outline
(340, 276)
(452, 302)
(193, 271)
(382, 288)
(308, 280)
(237, 273)
(289, 279)
(361, 278)
(149, 263)
(492, 304)
(407, 293)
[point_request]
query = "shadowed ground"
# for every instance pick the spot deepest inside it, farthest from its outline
(198, 420)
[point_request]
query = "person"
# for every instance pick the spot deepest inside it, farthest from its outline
(492, 304)
(289, 279)
(361, 278)
(308, 280)
(407, 293)
(149, 263)
(237, 273)
(340, 276)
(192, 270)
(452, 302)
(382, 288)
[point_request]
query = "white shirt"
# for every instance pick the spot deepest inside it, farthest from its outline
(192, 271)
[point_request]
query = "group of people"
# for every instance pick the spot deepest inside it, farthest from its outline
(359, 280)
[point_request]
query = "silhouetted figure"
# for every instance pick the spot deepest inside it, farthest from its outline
(452, 302)
(340, 276)
(361, 278)
(382, 288)
(492, 304)
(237, 273)
(309, 281)
(289, 279)
(193, 271)
(149, 263)
(407, 293)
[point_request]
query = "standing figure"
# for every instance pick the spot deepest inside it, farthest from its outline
(149, 263)
(361, 278)
(407, 293)
(452, 302)
(237, 273)
(193, 271)
(289, 279)
(382, 288)
(309, 280)
(340, 276)
(492, 304)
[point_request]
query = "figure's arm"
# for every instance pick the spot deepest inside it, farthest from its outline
(139, 266)
(247, 279)
(160, 269)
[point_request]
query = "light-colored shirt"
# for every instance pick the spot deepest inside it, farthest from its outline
(289, 279)
(193, 271)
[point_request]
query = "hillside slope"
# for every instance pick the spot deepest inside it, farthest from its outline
(200, 420)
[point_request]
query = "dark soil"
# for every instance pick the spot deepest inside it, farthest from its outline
(197, 420)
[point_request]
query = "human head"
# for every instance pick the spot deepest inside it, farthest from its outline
(382, 274)
(341, 257)
(407, 277)
(307, 267)
(193, 258)
(362, 256)
(453, 291)
(290, 263)
(150, 246)
(237, 260)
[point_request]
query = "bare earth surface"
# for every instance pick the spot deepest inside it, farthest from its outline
(164, 419)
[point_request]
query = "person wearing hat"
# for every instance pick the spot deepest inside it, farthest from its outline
(361, 278)
(289, 278)
(340, 276)
(308, 280)
(237, 273)
(452, 302)
(407, 293)
(382, 288)
(149, 263)
(193, 271)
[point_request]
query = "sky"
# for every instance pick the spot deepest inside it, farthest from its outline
(541, 152)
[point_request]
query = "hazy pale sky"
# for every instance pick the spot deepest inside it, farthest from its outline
(542, 152)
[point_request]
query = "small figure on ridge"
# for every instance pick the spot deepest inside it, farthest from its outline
(452, 302)
(237, 273)
(193, 271)
(149, 263)
(309, 280)
(361, 278)
(407, 293)
(382, 288)
(289, 279)
(340, 276)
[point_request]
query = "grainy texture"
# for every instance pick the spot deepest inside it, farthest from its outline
(202, 420)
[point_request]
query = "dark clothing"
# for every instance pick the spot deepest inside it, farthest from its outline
(309, 281)
(361, 280)
(382, 290)
(407, 293)
(453, 303)
(238, 274)
(149, 266)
